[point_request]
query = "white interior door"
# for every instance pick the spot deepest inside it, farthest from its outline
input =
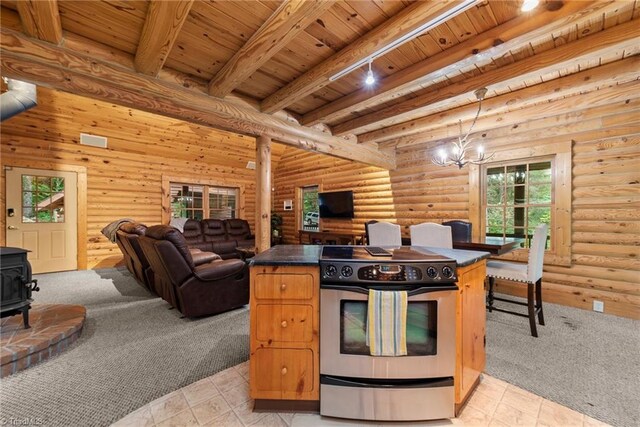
(42, 217)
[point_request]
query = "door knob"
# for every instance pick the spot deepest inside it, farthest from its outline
(12, 227)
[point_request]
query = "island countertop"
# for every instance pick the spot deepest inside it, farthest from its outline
(310, 255)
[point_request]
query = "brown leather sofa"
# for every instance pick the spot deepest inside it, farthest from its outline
(127, 239)
(206, 289)
(210, 235)
(219, 236)
(238, 229)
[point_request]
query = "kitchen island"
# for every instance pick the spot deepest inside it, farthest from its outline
(285, 319)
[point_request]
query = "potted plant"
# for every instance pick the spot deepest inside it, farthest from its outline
(276, 226)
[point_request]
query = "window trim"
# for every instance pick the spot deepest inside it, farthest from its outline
(166, 193)
(560, 254)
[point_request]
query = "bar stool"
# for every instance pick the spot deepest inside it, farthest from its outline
(530, 273)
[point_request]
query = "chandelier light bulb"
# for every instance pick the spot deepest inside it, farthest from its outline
(460, 147)
(370, 79)
(529, 5)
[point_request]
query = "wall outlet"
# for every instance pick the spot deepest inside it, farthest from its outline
(598, 306)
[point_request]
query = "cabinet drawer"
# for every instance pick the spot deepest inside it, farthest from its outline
(286, 371)
(284, 323)
(283, 286)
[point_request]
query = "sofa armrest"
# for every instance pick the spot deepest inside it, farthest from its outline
(200, 257)
(218, 270)
(225, 248)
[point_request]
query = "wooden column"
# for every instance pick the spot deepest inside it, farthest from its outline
(263, 193)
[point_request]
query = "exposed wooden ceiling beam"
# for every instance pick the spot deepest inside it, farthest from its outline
(585, 81)
(404, 22)
(575, 104)
(291, 18)
(161, 28)
(620, 37)
(41, 19)
(474, 51)
(58, 67)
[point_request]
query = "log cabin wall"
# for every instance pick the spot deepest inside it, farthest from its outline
(605, 226)
(124, 180)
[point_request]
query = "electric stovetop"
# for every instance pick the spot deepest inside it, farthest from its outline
(397, 254)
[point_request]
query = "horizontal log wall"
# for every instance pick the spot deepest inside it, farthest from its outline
(124, 180)
(605, 206)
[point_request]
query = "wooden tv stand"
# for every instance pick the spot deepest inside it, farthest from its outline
(327, 237)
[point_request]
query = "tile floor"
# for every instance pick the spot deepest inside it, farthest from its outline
(223, 400)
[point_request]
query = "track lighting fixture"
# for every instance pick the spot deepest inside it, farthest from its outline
(529, 5)
(370, 78)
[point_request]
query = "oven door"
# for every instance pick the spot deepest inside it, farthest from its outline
(431, 333)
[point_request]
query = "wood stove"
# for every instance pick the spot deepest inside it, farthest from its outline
(16, 284)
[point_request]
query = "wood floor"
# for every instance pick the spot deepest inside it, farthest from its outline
(223, 400)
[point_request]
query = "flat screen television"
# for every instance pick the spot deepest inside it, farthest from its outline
(336, 204)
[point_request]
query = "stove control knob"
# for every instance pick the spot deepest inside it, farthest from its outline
(346, 271)
(330, 270)
(432, 272)
(447, 272)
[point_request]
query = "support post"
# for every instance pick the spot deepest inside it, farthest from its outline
(263, 193)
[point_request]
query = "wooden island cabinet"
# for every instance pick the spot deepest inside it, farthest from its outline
(284, 331)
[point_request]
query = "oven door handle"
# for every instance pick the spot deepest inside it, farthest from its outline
(410, 292)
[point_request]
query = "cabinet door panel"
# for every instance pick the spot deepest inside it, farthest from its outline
(286, 372)
(283, 286)
(284, 323)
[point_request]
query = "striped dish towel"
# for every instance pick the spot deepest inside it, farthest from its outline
(387, 323)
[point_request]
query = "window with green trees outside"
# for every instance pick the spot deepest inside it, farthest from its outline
(310, 212)
(519, 197)
(42, 199)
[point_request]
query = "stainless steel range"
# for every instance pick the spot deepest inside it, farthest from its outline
(354, 384)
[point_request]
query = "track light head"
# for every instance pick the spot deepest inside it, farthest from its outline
(529, 5)
(370, 78)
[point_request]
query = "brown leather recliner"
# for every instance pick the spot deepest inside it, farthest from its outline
(239, 230)
(210, 235)
(127, 239)
(211, 288)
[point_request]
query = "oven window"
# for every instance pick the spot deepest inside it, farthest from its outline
(422, 325)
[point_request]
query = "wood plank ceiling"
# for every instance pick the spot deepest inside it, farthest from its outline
(264, 67)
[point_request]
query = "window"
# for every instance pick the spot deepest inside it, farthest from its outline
(188, 201)
(222, 202)
(309, 204)
(518, 197)
(42, 199)
(522, 201)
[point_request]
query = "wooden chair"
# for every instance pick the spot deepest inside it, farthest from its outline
(431, 234)
(383, 234)
(460, 230)
(530, 273)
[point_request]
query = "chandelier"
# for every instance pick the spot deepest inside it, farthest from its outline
(458, 153)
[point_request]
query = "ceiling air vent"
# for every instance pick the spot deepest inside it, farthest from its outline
(92, 140)
(251, 165)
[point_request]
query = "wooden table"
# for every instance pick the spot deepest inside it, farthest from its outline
(329, 238)
(493, 245)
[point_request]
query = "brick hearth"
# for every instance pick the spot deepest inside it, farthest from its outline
(54, 327)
